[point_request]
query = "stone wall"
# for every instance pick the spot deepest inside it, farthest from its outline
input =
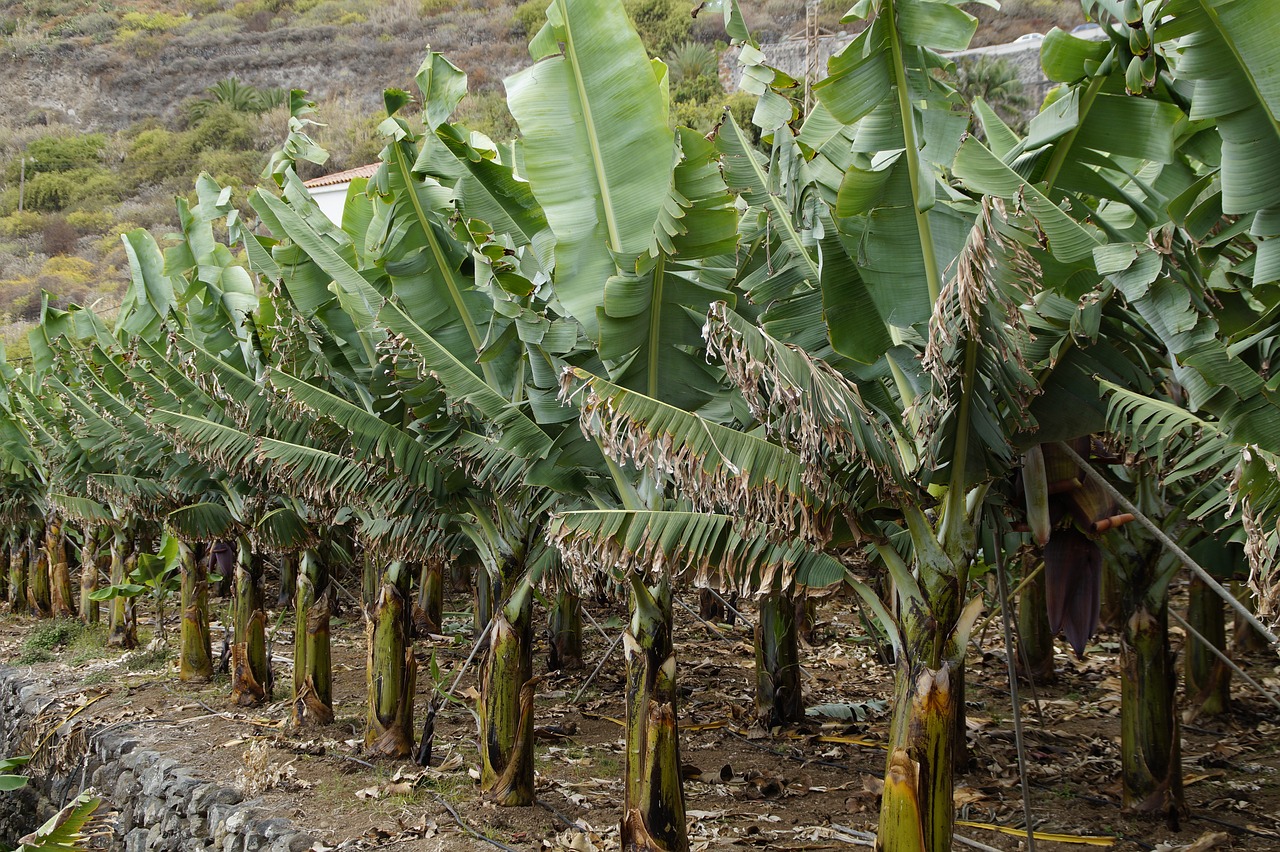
(162, 806)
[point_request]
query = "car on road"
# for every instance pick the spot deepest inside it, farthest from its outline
(1029, 37)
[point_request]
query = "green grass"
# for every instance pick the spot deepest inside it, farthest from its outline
(144, 661)
(47, 637)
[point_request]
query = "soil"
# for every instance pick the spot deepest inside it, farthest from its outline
(809, 788)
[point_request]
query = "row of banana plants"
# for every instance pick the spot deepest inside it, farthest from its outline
(810, 351)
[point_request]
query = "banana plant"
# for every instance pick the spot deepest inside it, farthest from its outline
(830, 461)
(1142, 138)
(642, 223)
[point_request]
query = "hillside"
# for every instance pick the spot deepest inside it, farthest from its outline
(108, 108)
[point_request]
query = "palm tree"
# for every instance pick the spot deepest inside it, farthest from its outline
(995, 82)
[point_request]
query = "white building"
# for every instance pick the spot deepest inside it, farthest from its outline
(330, 191)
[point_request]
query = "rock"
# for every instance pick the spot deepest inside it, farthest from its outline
(124, 788)
(153, 778)
(297, 842)
(202, 798)
(136, 840)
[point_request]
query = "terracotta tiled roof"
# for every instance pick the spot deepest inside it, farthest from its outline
(344, 177)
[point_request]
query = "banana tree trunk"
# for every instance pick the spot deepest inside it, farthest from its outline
(17, 577)
(1111, 611)
(249, 674)
(653, 815)
(565, 622)
(61, 596)
(1247, 639)
(89, 608)
(122, 630)
(779, 700)
(370, 582)
(1208, 678)
(710, 608)
(6, 557)
(1035, 639)
(392, 670)
(38, 596)
(484, 595)
(506, 708)
(916, 811)
(312, 669)
(1150, 742)
(195, 657)
(288, 580)
(428, 611)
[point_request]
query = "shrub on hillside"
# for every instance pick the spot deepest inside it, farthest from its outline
(236, 169)
(58, 153)
(90, 187)
(528, 17)
(152, 22)
(91, 221)
(58, 236)
(73, 272)
(22, 224)
(223, 127)
(99, 26)
(662, 24)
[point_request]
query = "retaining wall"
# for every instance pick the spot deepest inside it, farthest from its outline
(162, 806)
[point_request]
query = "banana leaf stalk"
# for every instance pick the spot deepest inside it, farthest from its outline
(5, 562)
(122, 631)
(392, 669)
(779, 700)
(506, 703)
(38, 592)
(249, 667)
(1208, 678)
(428, 610)
(195, 656)
(653, 812)
(312, 667)
(288, 580)
(89, 608)
(61, 596)
(565, 623)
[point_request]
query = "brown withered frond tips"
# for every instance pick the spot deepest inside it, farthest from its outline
(810, 407)
(715, 468)
(978, 333)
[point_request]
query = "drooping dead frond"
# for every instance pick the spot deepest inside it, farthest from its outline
(1255, 492)
(981, 387)
(716, 468)
(809, 406)
(713, 546)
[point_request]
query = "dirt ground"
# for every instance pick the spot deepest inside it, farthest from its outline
(809, 788)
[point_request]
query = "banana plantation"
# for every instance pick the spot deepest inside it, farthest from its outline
(950, 379)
